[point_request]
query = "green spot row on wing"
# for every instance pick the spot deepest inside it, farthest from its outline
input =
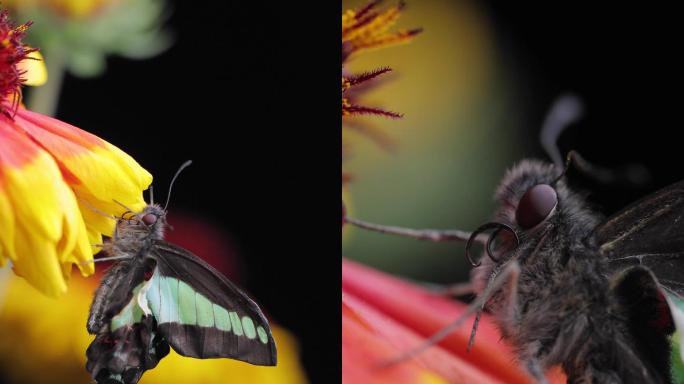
(174, 301)
(248, 327)
(263, 337)
(221, 318)
(237, 324)
(187, 311)
(205, 311)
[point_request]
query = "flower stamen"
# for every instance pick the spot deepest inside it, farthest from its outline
(12, 52)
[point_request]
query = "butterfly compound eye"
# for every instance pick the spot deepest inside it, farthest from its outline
(149, 219)
(536, 205)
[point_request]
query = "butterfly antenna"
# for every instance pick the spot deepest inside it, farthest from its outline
(122, 205)
(98, 211)
(182, 167)
(105, 259)
(566, 110)
(151, 194)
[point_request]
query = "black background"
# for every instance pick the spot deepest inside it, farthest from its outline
(622, 60)
(250, 93)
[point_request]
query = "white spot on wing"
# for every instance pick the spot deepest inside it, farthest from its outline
(142, 295)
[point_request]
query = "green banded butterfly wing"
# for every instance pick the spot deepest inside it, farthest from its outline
(201, 313)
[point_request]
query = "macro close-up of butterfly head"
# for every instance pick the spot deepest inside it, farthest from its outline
(566, 286)
(159, 296)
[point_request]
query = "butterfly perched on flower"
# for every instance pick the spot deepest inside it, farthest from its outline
(159, 295)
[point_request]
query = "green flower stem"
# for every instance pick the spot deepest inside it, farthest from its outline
(45, 98)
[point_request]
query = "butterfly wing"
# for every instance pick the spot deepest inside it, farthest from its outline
(650, 233)
(129, 343)
(201, 313)
(644, 244)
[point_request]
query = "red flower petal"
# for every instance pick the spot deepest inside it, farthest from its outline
(370, 339)
(426, 313)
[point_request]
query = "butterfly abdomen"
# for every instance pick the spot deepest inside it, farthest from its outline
(102, 306)
(123, 355)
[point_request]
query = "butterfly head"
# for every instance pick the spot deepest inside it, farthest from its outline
(132, 228)
(149, 223)
(154, 218)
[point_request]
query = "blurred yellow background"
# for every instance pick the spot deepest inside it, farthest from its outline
(48, 339)
(459, 133)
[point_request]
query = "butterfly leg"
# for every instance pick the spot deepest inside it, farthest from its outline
(496, 282)
(509, 290)
(535, 370)
(450, 290)
(510, 293)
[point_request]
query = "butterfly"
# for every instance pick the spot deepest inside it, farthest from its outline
(160, 296)
(564, 285)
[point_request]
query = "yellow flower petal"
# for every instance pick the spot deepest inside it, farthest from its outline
(42, 228)
(44, 232)
(50, 174)
(36, 72)
(6, 226)
(51, 334)
(99, 173)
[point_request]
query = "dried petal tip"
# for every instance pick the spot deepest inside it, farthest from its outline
(12, 51)
(348, 106)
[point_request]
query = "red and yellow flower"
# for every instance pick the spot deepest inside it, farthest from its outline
(58, 183)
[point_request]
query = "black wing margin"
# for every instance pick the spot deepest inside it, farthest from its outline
(649, 232)
(211, 342)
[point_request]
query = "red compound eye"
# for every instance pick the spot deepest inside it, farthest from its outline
(149, 219)
(536, 205)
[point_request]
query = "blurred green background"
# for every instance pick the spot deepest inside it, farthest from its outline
(461, 130)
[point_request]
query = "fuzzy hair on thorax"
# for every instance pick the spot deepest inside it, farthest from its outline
(563, 310)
